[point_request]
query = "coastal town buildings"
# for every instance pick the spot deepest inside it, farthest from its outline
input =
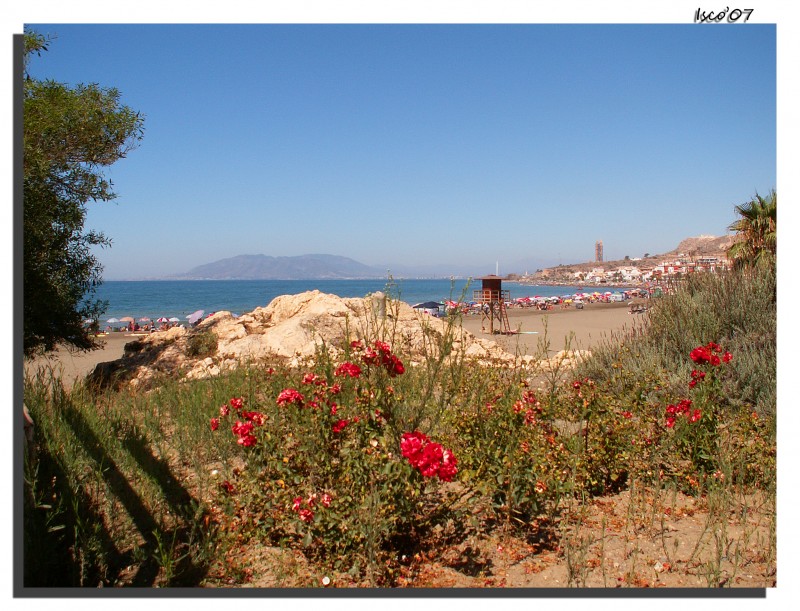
(634, 272)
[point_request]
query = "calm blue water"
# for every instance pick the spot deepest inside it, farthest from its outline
(179, 298)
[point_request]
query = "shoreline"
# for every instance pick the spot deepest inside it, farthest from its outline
(560, 328)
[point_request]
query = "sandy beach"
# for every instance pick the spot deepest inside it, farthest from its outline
(576, 329)
(560, 328)
(76, 365)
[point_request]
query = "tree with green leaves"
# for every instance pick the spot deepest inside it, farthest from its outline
(756, 241)
(71, 134)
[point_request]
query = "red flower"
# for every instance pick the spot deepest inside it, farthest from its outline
(448, 468)
(370, 357)
(627, 414)
(214, 424)
(236, 403)
(393, 365)
(695, 416)
(684, 405)
(309, 378)
(697, 376)
(256, 418)
(382, 346)
(242, 428)
(339, 425)
(325, 499)
(227, 487)
(727, 357)
(700, 355)
(670, 422)
(224, 410)
(247, 440)
(429, 458)
(290, 395)
(348, 370)
(356, 345)
(298, 501)
(411, 445)
(306, 515)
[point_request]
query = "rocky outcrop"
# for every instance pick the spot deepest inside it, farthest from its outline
(292, 328)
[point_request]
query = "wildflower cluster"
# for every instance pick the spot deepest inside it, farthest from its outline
(684, 407)
(245, 424)
(427, 457)
(710, 354)
(379, 355)
(528, 405)
(305, 508)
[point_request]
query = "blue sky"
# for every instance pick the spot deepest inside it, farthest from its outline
(410, 144)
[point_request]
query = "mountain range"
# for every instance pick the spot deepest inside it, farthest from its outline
(263, 267)
(334, 267)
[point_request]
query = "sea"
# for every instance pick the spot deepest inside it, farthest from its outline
(154, 299)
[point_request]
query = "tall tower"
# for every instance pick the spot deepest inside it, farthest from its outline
(598, 251)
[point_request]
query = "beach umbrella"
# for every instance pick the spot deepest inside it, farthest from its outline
(127, 319)
(195, 316)
(174, 319)
(144, 319)
(113, 320)
(163, 319)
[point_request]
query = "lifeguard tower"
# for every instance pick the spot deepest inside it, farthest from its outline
(492, 299)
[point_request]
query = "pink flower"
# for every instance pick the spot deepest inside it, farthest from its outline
(306, 515)
(325, 499)
(224, 410)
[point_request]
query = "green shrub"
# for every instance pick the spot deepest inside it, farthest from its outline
(202, 344)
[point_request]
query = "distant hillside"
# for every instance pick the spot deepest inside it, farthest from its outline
(704, 245)
(263, 267)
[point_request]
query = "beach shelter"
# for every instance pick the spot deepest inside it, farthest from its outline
(195, 316)
(113, 320)
(127, 319)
